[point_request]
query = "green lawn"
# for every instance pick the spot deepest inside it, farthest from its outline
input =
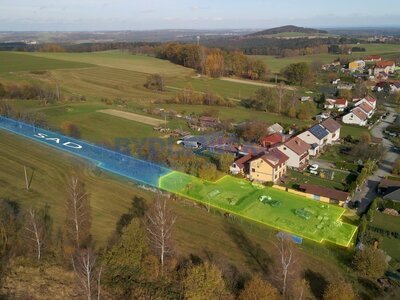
(390, 223)
(225, 88)
(241, 197)
(353, 130)
(17, 62)
(297, 178)
(276, 64)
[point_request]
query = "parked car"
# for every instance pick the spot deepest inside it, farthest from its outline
(313, 167)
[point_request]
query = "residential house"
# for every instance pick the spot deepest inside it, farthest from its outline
(333, 128)
(316, 137)
(357, 65)
(345, 86)
(390, 189)
(341, 104)
(329, 103)
(268, 166)
(240, 166)
(395, 87)
(297, 151)
(209, 122)
(369, 100)
(272, 140)
(305, 98)
(321, 193)
(367, 108)
(275, 128)
(386, 66)
(372, 58)
(356, 116)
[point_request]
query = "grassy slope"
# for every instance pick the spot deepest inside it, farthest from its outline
(16, 62)
(248, 246)
(122, 60)
(277, 64)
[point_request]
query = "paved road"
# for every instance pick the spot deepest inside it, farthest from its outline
(368, 190)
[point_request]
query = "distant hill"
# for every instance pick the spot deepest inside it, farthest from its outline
(288, 29)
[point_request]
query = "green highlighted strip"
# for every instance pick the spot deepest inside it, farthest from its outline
(285, 211)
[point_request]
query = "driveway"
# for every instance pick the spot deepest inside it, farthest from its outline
(368, 190)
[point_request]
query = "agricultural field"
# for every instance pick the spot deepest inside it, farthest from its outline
(17, 62)
(276, 64)
(121, 60)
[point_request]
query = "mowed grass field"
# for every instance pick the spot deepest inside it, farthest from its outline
(276, 64)
(247, 246)
(17, 62)
(121, 60)
(320, 222)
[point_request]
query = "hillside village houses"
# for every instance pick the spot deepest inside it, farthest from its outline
(387, 67)
(271, 164)
(357, 65)
(363, 110)
(339, 104)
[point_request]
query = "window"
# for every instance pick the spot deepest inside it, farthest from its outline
(253, 170)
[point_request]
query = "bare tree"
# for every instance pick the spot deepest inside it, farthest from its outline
(87, 272)
(286, 249)
(281, 93)
(77, 213)
(35, 231)
(159, 224)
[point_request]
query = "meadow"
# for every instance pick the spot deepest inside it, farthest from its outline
(276, 64)
(17, 62)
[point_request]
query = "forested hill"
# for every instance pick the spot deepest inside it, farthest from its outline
(287, 29)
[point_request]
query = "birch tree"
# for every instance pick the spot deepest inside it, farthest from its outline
(88, 272)
(159, 224)
(77, 213)
(285, 247)
(35, 231)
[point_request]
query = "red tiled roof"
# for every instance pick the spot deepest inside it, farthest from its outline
(324, 192)
(370, 99)
(297, 145)
(372, 57)
(366, 107)
(273, 157)
(358, 112)
(241, 161)
(272, 139)
(385, 63)
(341, 101)
(331, 125)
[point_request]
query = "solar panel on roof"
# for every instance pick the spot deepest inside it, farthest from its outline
(319, 131)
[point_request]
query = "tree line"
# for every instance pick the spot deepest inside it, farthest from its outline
(213, 62)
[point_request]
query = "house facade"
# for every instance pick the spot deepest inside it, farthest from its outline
(357, 65)
(268, 166)
(356, 117)
(333, 128)
(317, 137)
(386, 66)
(297, 152)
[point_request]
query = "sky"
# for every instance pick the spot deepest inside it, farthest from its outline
(76, 15)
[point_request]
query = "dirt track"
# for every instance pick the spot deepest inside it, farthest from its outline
(133, 117)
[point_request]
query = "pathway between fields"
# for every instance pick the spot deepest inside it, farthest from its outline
(264, 84)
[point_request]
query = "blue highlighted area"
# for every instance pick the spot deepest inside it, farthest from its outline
(136, 169)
